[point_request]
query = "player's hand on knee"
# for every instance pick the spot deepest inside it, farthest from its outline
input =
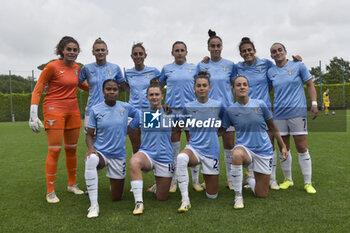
(34, 121)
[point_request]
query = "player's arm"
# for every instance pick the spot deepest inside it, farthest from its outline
(277, 135)
(135, 114)
(313, 97)
(84, 86)
(90, 134)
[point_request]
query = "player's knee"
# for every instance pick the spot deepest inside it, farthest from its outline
(182, 160)
(92, 161)
(237, 155)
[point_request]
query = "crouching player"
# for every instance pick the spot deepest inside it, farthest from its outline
(253, 147)
(109, 121)
(204, 146)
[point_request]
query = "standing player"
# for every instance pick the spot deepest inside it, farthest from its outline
(138, 79)
(326, 101)
(156, 152)
(179, 78)
(96, 73)
(222, 73)
(61, 113)
(108, 124)
(290, 110)
(253, 147)
(204, 146)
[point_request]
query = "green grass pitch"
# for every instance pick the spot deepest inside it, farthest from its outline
(23, 207)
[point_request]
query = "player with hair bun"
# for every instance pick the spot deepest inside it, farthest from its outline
(105, 139)
(156, 151)
(96, 73)
(61, 113)
(222, 73)
(138, 79)
(290, 111)
(204, 146)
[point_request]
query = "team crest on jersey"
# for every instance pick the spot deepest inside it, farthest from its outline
(260, 68)
(61, 71)
(110, 72)
(256, 110)
(76, 72)
(148, 75)
(290, 72)
(224, 68)
(121, 112)
(189, 70)
(51, 122)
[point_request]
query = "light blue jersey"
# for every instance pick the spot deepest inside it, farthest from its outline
(156, 140)
(111, 125)
(250, 123)
(138, 82)
(222, 74)
(95, 75)
(257, 78)
(288, 84)
(180, 81)
(205, 139)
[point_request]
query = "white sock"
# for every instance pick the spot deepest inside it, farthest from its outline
(195, 173)
(182, 174)
(305, 165)
(214, 196)
(237, 178)
(137, 186)
(91, 178)
(228, 162)
(287, 166)
(251, 170)
(176, 147)
(274, 165)
(251, 182)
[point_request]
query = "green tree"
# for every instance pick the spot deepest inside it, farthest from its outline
(41, 67)
(334, 72)
(19, 84)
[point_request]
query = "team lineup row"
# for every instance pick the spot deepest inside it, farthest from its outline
(252, 78)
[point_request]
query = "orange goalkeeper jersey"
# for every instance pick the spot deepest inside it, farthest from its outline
(63, 82)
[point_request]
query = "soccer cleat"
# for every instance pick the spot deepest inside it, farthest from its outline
(309, 189)
(185, 206)
(197, 187)
(138, 208)
(274, 185)
(173, 188)
(52, 198)
(93, 211)
(229, 185)
(246, 176)
(238, 203)
(152, 189)
(74, 189)
(286, 184)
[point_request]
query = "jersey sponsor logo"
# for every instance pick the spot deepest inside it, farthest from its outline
(110, 72)
(256, 110)
(61, 71)
(51, 108)
(101, 116)
(76, 72)
(121, 112)
(260, 68)
(290, 71)
(148, 75)
(190, 70)
(51, 122)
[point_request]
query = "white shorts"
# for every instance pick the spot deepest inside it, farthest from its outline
(209, 166)
(116, 168)
(293, 126)
(160, 169)
(260, 164)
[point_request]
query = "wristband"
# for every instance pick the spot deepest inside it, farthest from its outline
(314, 103)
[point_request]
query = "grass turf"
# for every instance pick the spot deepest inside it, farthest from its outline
(23, 207)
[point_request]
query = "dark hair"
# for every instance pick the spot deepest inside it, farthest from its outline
(99, 41)
(246, 40)
(279, 44)
(240, 76)
(179, 42)
(202, 74)
(107, 81)
(154, 83)
(63, 43)
(212, 35)
(139, 44)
